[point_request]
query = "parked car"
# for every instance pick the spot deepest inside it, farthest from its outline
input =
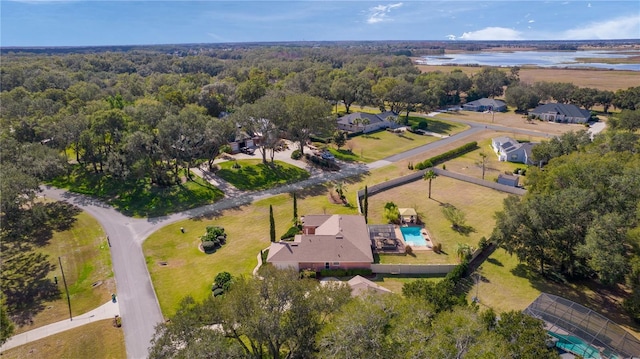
(327, 156)
(248, 150)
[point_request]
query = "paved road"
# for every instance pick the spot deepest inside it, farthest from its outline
(138, 303)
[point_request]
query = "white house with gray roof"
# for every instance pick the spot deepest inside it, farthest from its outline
(511, 150)
(367, 122)
(561, 112)
(485, 104)
(326, 242)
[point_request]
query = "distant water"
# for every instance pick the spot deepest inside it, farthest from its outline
(563, 59)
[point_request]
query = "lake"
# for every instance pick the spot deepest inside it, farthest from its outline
(564, 59)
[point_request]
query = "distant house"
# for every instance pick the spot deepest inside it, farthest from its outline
(508, 180)
(485, 104)
(326, 242)
(367, 122)
(511, 150)
(561, 112)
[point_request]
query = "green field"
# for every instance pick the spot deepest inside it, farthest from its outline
(254, 175)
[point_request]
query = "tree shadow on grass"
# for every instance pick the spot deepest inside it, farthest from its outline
(495, 262)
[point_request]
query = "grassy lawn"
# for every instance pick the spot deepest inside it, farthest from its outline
(188, 271)
(255, 175)
(94, 340)
(378, 145)
(476, 202)
(140, 198)
(86, 260)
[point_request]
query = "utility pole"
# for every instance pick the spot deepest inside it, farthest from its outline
(64, 280)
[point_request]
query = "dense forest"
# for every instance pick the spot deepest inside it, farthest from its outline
(143, 116)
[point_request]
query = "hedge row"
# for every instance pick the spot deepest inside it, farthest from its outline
(468, 147)
(344, 272)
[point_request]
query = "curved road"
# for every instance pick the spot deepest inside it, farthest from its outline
(138, 302)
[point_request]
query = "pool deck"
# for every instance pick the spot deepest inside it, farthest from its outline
(425, 235)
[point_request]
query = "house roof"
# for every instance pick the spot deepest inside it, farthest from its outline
(486, 102)
(340, 238)
(509, 177)
(360, 285)
(373, 118)
(565, 109)
(407, 211)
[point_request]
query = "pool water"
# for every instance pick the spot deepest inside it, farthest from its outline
(576, 345)
(413, 237)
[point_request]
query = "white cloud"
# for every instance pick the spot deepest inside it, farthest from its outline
(619, 28)
(380, 13)
(492, 33)
(531, 21)
(589, 5)
(451, 37)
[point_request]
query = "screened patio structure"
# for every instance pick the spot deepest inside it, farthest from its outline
(582, 331)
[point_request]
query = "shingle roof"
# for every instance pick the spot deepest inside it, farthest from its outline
(486, 102)
(340, 238)
(565, 109)
(373, 118)
(360, 285)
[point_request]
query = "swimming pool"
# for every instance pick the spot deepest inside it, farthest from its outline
(413, 236)
(576, 345)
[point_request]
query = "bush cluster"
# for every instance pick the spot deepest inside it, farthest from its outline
(319, 161)
(345, 272)
(421, 125)
(296, 155)
(468, 147)
(320, 139)
(291, 232)
(307, 273)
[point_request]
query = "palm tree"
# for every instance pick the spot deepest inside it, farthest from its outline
(484, 162)
(429, 176)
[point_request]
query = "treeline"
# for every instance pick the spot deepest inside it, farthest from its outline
(580, 218)
(525, 96)
(282, 316)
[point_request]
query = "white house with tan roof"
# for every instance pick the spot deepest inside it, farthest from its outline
(326, 242)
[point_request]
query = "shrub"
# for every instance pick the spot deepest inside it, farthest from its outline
(333, 273)
(408, 250)
(296, 154)
(209, 246)
(360, 271)
(291, 232)
(458, 272)
(236, 165)
(225, 149)
(214, 234)
(483, 243)
(410, 165)
(223, 280)
(437, 248)
(307, 273)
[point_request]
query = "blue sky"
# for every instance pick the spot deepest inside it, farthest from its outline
(115, 22)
